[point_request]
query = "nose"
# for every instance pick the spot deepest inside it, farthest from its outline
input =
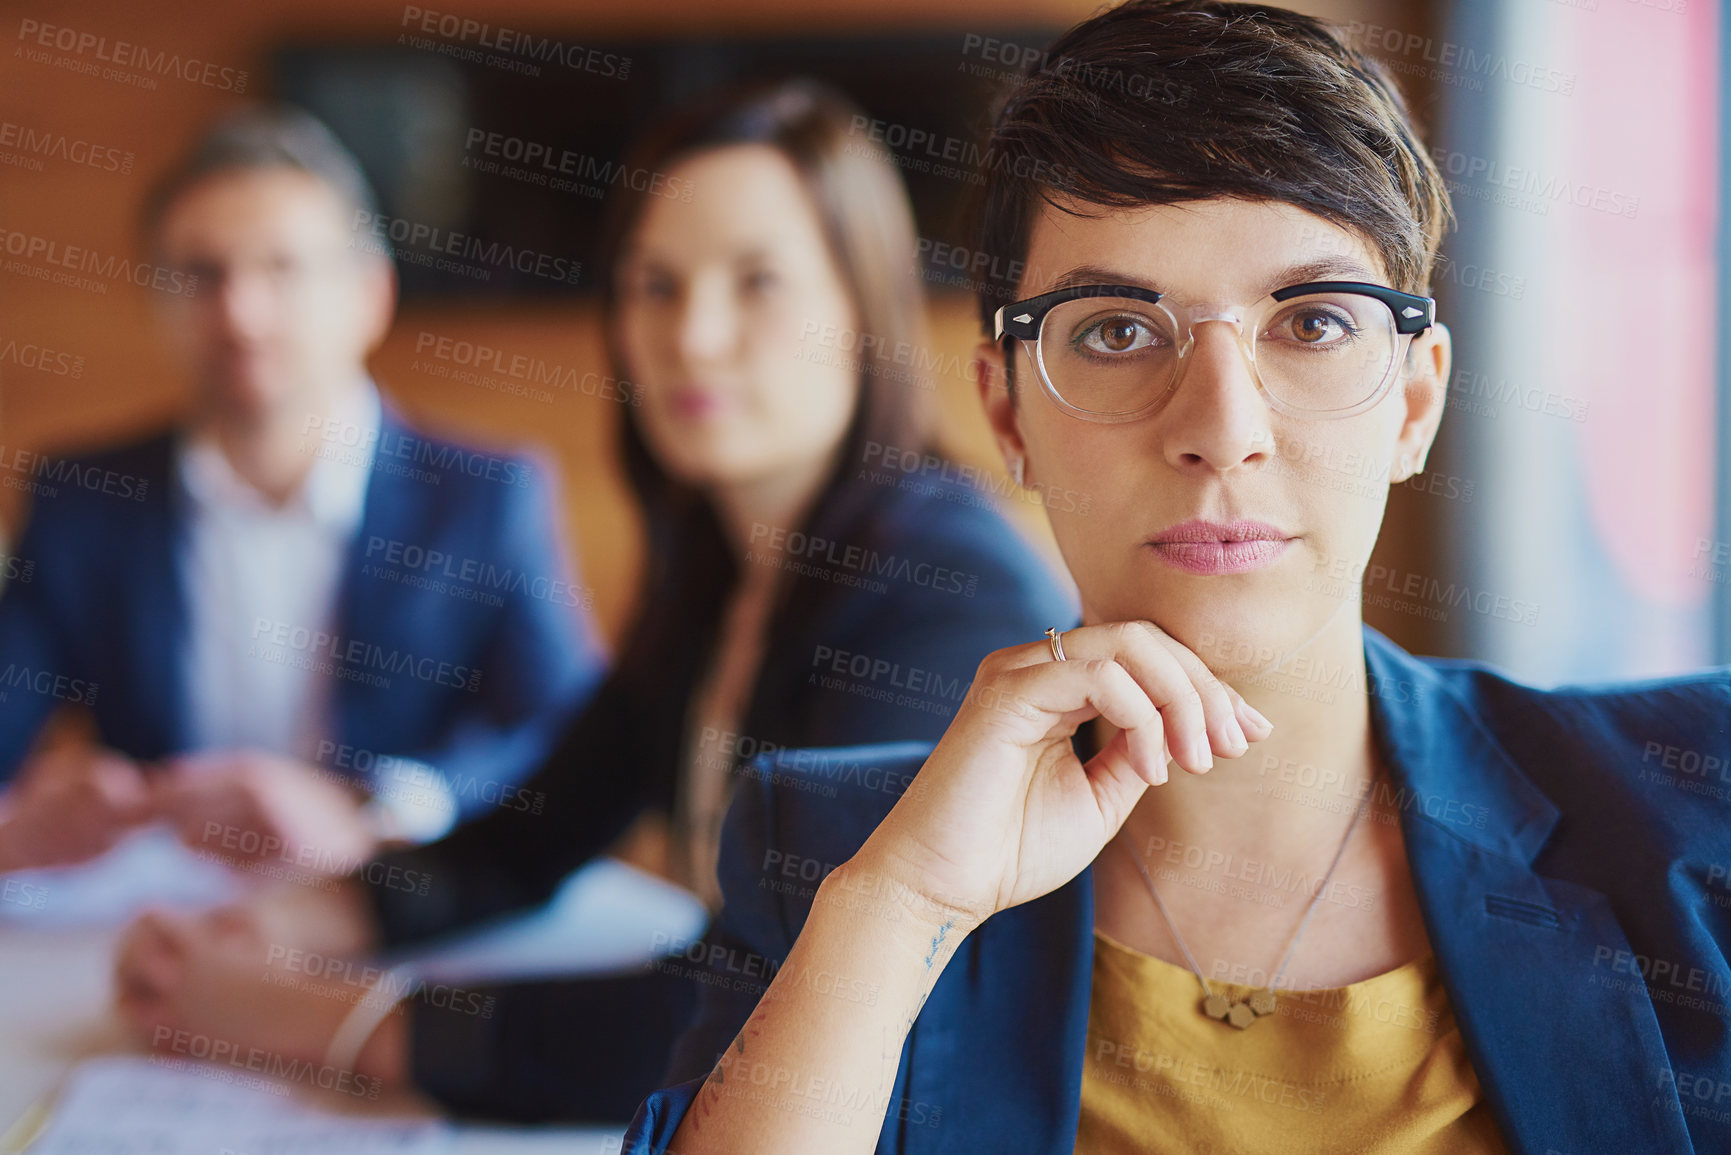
(708, 325)
(245, 304)
(1217, 419)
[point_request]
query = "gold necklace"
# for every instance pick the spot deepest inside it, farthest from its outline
(1218, 1006)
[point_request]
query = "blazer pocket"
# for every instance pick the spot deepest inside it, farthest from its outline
(1527, 912)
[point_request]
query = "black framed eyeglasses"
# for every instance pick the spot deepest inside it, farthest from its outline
(1319, 350)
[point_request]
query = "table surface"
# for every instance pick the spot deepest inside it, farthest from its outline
(56, 988)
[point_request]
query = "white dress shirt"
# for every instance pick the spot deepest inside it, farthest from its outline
(255, 572)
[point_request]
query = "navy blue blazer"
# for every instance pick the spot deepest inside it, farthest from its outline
(95, 614)
(1570, 850)
(881, 658)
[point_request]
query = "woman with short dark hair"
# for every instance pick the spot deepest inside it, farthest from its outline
(1386, 903)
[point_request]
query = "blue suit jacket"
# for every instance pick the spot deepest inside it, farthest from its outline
(1563, 843)
(96, 614)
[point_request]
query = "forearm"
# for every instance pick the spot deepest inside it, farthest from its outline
(814, 1067)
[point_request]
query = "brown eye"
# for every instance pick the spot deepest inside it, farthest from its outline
(1118, 335)
(1124, 333)
(1317, 327)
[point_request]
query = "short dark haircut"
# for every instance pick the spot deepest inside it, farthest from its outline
(264, 137)
(1165, 101)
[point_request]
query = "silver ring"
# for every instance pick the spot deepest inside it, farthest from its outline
(1056, 641)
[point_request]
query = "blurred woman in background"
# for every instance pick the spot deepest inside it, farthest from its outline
(777, 540)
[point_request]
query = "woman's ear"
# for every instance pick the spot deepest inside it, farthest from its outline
(999, 402)
(1425, 389)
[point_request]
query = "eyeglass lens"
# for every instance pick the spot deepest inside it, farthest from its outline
(1316, 353)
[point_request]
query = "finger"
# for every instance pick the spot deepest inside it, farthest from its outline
(1252, 725)
(233, 924)
(1190, 732)
(1068, 693)
(1117, 784)
(151, 962)
(1256, 727)
(1226, 732)
(123, 792)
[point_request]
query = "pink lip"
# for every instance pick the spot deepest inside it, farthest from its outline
(1209, 547)
(692, 403)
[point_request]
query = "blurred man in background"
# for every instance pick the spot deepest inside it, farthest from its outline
(300, 626)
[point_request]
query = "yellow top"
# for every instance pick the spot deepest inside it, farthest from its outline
(1375, 1066)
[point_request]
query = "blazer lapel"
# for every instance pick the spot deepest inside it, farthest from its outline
(394, 510)
(157, 689)
(1568, 1062)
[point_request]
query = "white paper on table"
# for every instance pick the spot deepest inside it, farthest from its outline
(607, 916)
(126, 1105)
(150, 867)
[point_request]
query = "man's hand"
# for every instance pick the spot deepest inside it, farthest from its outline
(217, 983)
(248, 806)
(70, 805)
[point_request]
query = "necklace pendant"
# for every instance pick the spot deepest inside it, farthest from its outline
(1216, 1006)
(1262, 1002)
(1241, 1016)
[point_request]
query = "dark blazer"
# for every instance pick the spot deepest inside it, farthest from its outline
(1563, 843)
(102, 618)
(920, 587)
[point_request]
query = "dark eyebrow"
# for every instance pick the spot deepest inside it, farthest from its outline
(1322, 269)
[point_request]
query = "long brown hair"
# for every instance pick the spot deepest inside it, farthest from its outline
(869, 228)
